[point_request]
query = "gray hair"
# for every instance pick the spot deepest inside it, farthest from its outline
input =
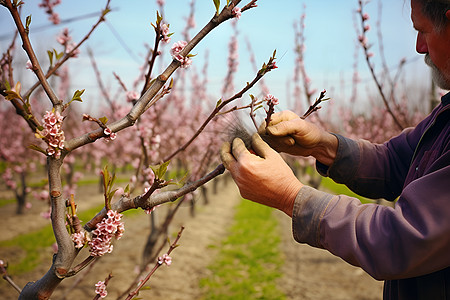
(435, 10)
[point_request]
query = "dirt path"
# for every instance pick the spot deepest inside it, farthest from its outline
(309, 273)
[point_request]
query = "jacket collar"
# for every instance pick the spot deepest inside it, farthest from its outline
(445, 99)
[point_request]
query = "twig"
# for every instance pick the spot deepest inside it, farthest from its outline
(266, 68)
(157, 265)
(5, 276)
(167, 196)
(51, 71)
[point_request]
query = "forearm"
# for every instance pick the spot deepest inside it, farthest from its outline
(370, 170)
(388, 243)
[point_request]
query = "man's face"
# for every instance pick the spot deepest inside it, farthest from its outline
(435, 44)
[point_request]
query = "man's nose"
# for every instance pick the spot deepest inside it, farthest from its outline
(421, 44)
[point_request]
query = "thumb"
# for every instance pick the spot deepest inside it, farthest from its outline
(260, 147)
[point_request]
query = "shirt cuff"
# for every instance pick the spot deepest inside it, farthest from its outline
(346, 163)
(309, 207)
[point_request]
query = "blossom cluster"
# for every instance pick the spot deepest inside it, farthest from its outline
(109, 227)
(9, 179)
(175, 52)
(65, 40)
(79, 238)
(236, 12)
(100, 289)
(165, 259)
(271, 99)
(52, 133)
(110, 136)
(49, 5)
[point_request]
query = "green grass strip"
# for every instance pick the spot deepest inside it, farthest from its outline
(340, 189)
(35, 245)
(249, 260)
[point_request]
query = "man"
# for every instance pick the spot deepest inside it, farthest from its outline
(407, 246)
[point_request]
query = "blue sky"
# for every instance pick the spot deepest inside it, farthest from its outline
(330, 39)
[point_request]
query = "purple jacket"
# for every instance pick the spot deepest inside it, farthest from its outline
(409, 245)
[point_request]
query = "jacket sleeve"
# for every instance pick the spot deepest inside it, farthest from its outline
(409, 240)
(373, 170)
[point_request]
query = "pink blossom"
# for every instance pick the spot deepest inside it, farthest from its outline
(28, 205)
(110, 135)
(165, 33)
(107, 131)
(43, 195)
(69, 49)
(64, 38)
(175, 52)
(236, 12)
(29, 65)
(49, 5)
(366, 17)
(160, 2)
(46, 214)
(100, 289)
(132, 95)
(165, 259)
(79, 239)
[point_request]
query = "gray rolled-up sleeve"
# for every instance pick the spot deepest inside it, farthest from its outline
(309, 208)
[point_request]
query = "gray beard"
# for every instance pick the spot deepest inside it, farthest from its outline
(438, 77)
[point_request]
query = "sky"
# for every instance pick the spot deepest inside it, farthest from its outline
(330, 40)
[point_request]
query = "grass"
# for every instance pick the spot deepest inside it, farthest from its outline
(249, 259)
(340, 189)
(34, 245)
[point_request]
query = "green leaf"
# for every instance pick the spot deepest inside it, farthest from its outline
(126, 191)
(10, 95)
(105, 174)
(7, 85)
(50, 57)
(217, 5)
(37, 148)
(111, 194)
(158, 18)
(219, 102)
(163, 169)
(58, 55)
(104, 120)
(77, 95)
(160, 170)
(27, 23)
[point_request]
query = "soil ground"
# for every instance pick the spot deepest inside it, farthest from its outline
(308, 273)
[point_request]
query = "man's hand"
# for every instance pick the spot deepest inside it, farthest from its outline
(265, 177)
(288, 133)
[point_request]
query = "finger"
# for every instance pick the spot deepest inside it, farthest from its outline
(227, 158)
(277, 142)
(238, 149)
(284, 128)
(283, 116)
(260, 147)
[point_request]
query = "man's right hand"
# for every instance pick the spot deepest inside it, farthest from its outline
(288, 133)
